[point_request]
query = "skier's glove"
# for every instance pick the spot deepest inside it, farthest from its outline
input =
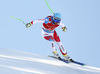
(29, 24)
(64, 29)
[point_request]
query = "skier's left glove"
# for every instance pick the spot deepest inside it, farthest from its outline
(64, 29)
(29, 24)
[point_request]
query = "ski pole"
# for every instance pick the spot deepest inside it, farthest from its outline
(18, 19)
(49, 7)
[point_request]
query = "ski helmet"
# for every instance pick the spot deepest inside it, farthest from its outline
(57, 16)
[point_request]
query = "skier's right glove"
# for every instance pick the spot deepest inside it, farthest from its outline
(29, 24)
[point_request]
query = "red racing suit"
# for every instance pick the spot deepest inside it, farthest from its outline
(49, 33)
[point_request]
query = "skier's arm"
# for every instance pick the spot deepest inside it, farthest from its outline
(39, 21)
(34, 22)
(63, 26)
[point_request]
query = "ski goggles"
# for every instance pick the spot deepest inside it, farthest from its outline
(55, 20)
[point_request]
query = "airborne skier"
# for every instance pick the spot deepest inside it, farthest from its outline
(49, 33)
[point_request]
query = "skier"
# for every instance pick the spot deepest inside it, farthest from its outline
(49, 33)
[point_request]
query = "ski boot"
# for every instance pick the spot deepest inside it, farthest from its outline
(67, 58)
(56, 55)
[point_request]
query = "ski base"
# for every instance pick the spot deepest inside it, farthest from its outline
(79, 63)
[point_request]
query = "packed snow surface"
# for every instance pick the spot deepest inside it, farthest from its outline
(19, 62)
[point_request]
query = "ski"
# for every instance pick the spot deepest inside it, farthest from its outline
(79, 63)
(72, 61)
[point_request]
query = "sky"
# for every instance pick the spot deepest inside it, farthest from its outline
(81, 17)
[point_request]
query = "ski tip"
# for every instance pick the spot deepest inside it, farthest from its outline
(84, 65)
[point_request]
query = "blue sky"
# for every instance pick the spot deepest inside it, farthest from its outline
(81, 17)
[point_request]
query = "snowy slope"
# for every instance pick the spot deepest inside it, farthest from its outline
(18, 62)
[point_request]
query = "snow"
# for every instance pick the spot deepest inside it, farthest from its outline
(19, 62)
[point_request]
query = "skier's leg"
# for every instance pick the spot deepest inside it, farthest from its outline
(62, 49)
(49, 37)
(57, 39)
(54, 50)
(51, 40)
